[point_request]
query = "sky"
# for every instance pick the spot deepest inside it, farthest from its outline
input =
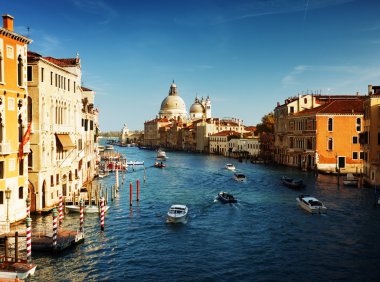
(246, 55)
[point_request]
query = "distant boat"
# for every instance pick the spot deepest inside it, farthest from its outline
(109, 147)
(239, 177)
(291, 183)
(131, 163)
(161, 155)
(230, 167)
(177, 214)
(350, 180)
(225, 197)
(311, 204)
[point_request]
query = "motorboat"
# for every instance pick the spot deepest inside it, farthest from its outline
(12, 270)
(161, 155)
(159, 165)
(225, 197)
(292, 183)
(87, 208)
(239, 177)
(133, 163)
(230, 167)
(177, 214)
(350, 180)
(311, 204)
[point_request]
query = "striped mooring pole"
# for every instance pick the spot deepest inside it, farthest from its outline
(102, 214)
(60, 209)
(81, 216)
(29, 239)
(27, 207)
(55, 228)
(130, 193)
(138, 190)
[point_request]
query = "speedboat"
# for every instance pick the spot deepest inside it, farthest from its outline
(291, 183)
(161, 155)
(177, 214)
(239, 177)
(225, 197)
(311, 204)
(230, 167)
(159, 165)
(350, 180)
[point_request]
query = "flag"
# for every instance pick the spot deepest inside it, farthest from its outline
(25, 139)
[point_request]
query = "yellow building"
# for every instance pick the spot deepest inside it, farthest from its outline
(13, 124)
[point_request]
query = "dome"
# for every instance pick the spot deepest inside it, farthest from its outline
(196, 108)
(173, 103)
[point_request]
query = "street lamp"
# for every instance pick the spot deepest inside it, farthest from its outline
(8, 196)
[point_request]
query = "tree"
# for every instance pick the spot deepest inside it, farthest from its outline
(267, 124)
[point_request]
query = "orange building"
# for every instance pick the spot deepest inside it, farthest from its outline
(327, 137)
(13, 124)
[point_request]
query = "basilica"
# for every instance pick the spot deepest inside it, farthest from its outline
(196, 131)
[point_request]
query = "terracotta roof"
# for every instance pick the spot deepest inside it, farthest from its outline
(85, 88)
(225, 133)
(336, 107)
(63, 62)
(250, 128)
(33, 55)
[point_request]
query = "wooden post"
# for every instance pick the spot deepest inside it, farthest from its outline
(55, 228)
(16, 246)
(106, 195)
(6, 251)
(130, 193)
(29, 239)
(137, 190)
(81, 216)
(102, 214)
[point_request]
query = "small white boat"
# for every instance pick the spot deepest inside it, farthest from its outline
(132, 163)
(311, 204)
(230, 167)
(350, 180)
(87, 209)
(9, 269)
(109, 147)
(239, 177)
(161, 155)
(177, 214)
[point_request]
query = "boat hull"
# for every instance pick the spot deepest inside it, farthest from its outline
(17, 270)
(311, 209)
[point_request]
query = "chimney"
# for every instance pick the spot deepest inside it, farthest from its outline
(369, 89)
(8, 22)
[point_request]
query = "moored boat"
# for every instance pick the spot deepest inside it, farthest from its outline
(225, 197)
(350, 180)
(10, 269)
(292, 183)
(311, 204)
(239, 177)
(230, 167)
(87, 208)
(177, 214)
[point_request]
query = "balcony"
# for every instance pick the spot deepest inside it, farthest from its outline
(5, 148)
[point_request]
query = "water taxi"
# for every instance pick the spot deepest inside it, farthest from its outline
(177, 214)
(230, 167)
(311, 204)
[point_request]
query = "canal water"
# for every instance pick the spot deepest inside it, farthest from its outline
(265, 236)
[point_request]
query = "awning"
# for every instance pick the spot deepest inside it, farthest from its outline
(65, 141)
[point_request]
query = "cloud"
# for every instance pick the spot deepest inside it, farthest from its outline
(97, 7)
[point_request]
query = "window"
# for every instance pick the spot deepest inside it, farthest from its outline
(57, 179)
(30, 159)
(20, 133)
(1, 198)
(330, 124)
(30, 109)
(30, 73)
(21, 167)
(42, 74)
(291, 110)
(354, 155)
(51, 180)
(1, 169)
(354, 140)
(19, 71)
(361, 155)
(305, 100)
(68, 85)
(358, 124)
(20, 192)
(51, 78)
(330, 144)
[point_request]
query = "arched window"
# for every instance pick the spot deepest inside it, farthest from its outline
(19, 129)
(330, 124)
(30, 159)
(19, 71)
(21, 192)
(30, 110)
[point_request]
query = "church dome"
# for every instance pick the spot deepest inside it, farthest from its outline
(196, 108)
(173, 106)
